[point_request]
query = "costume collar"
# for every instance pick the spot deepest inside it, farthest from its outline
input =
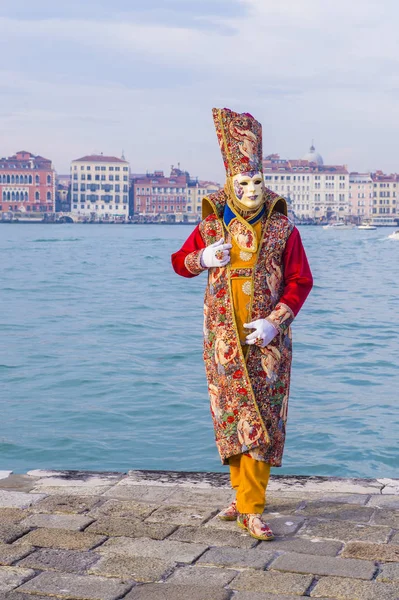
(230, 213)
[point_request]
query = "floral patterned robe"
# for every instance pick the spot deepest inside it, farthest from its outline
(249, 392)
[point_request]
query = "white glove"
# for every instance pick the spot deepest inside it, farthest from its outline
(263, 334)
(216, 255)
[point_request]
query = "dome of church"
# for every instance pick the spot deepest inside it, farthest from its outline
(313, 156)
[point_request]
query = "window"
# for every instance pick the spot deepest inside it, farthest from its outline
(37, 196)
(111, 168)
(97, 168)
(103, 168)
(48, 179)
(117, 168)
(49, 196)
(97, 177)
(125, 168)
(117, 179)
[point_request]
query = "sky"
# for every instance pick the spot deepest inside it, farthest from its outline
(141, 76)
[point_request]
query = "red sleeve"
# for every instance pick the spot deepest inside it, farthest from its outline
(186, 261)
(297, 275)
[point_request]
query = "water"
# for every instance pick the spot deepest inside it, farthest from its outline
(101, 366)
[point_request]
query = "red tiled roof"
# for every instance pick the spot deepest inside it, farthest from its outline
(99, 158)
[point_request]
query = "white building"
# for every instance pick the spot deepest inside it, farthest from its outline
(99, 188)
(314, 191)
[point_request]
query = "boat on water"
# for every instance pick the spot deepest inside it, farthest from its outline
(339, 226)
(394, 235)
(366, 226)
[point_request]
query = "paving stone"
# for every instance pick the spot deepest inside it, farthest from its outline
(162, 591)
(255, 558)
(9, 499)
(341, 512)
(213, 537)
(143, 493)
(366, 551)
(117, 526)
(75, 478)
(71, 561)
(123, 508)
(282, 505)
(201, 576)
(70, 522)
(380, 501)
(391, 486)
(360, 499)
(180, 515)
(12, 515)
(389, 572)
(254, 596)
(18, 596)
(272, 582)
(287, 525)
(139, 568)
(345, 531)
(174, 551)
(73, 490)
(395, 539)
(60, 538)
(326, 485)
(9, 532)
(390, 518)
(324, 565)
(87, 587)
(11, 553)
(308, 546)
(217, 498)
(65, 504)
(18, 483)
(12, 577)
(354, 589)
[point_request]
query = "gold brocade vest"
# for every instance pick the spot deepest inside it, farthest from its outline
(248, 389)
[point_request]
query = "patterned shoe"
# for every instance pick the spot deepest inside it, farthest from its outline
(256, 528)
(230, 513)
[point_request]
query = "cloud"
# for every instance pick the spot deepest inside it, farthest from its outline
(144, 76)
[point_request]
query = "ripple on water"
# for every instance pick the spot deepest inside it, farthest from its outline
(102, 366)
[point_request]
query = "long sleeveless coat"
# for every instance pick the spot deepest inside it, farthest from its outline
(248, 395)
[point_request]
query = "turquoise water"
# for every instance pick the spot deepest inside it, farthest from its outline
(101, 365)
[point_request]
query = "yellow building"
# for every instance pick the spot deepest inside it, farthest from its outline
(196, 190)
(100, 188)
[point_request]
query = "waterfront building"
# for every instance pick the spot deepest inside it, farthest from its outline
(196, 191)
(385, 195)
(176, 197)
(156, 195)
(314, 191)
(361, 190)
(100, 188)
(27, 184)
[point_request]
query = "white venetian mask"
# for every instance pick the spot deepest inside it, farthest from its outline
(248, 189)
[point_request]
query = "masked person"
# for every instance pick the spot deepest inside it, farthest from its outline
(258, 279)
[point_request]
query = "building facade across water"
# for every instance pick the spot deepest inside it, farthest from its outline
(315, 192)
(27, 184)
(100, 188)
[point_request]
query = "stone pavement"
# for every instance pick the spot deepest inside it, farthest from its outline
(155, 536)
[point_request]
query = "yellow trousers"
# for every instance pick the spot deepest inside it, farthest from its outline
(249, 478)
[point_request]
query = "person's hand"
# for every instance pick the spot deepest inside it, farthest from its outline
(216, 255)
(263, 334)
